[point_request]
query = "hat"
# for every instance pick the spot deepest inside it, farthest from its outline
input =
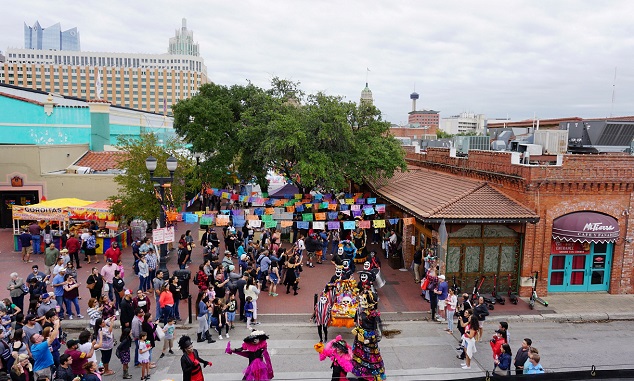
(127, 292)
(243, 257)
(232, 267)
(184, 342)
(109, 260)
(46, 295)
(64, 251)
(260, 335)
(441, 277)
(71, 343)
(62, 269)
(227, 252)
(30, 317)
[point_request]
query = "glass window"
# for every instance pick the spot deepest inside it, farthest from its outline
(472, 259)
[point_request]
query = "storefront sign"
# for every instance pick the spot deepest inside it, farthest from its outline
(169, 234)
(586, 227)
(558, 247)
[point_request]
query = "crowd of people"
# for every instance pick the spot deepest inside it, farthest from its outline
(467, 314)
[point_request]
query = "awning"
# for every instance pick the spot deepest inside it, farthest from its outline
(586, 227)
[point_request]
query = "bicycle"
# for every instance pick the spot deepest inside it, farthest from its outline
(534, 298)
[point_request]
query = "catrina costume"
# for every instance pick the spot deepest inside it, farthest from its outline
(340, 353)
(366, 355)
(255, 349)
(191, 364)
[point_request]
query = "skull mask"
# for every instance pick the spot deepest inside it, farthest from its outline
(338, 272)
(346, 301)
(323, 299)
(340, 251)
(346, 264)
(366, 265)
(363, 277)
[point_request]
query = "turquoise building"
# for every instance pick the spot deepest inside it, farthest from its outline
(34, 117)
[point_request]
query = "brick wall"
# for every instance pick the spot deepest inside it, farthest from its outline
(600, 183)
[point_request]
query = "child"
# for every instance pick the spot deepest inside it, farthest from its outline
(120, 268)
(168, 340)
(123, 351)
(248, 311)
(232, 306)
(144, 355)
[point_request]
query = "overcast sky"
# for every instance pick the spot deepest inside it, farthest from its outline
(499, 58)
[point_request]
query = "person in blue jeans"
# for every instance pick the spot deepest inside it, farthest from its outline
(58, 289)
(324, 244)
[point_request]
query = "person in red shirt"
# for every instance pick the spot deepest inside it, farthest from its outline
(73, 246)
(496, 344)
(79, 358)
(113, 252)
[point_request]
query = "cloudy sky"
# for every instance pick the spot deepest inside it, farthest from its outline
(503, 59)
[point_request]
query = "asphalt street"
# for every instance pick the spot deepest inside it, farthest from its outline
(413, 350)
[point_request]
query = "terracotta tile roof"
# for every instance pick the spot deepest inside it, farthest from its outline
(101, 161)
(21, 99)
(434, 195)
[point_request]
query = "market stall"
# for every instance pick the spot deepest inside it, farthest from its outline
(73, 214)
(53, 213)
(109, 229)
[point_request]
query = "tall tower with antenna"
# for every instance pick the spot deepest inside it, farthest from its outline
(414, 97)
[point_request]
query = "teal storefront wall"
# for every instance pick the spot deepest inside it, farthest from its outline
(27, 123)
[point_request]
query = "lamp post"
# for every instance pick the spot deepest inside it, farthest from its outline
(161, 183)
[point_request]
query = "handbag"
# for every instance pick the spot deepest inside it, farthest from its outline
(160, 334)
(425, 284)
(90, 286)
(106, 288)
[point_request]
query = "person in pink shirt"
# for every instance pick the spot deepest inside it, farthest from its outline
(107, 272)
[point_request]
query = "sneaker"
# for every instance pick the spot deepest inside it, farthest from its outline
(116, 313)
(70, 317)
(466, 367)
(273, 294)
(171, 352)
(80, 316)
(219, 337)
(227, 335)
(463, 364)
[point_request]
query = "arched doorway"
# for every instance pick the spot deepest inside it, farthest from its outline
(581, 252)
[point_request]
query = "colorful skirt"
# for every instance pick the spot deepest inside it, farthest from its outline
(125, 357)
(366, 358)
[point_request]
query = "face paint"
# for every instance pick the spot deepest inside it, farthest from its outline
(366, 265)
(346, 264)
(323, 299)
(363, 277)
(340, 251)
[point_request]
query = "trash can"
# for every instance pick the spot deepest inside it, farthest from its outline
(184, 277)
(395, 260)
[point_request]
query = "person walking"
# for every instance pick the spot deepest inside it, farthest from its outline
(50, 258)
(74, 246)
(418, 262)
(25, 242)
(191, 363)
(94, 283)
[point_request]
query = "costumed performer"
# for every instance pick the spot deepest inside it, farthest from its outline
(255, 348)
(190, 361)
(321, 315)
(340, 353)
(366, 355)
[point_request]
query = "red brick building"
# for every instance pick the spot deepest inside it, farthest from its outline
(567, 217)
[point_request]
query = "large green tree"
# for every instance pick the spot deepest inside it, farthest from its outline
(136, 197)
(315, 140)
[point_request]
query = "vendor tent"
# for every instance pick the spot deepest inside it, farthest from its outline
(53, 210)
(287, 191)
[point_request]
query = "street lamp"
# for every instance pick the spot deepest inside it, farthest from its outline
(161, 183)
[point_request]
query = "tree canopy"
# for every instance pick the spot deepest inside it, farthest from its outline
(136, 197)
(315, 140)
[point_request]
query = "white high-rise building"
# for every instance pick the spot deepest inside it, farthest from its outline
(183, 43)
(464, 122)
(150, 82)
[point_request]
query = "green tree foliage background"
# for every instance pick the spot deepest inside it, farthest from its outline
(136, 197)
(316, 140)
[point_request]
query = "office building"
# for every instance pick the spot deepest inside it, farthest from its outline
(51, 38)
(183, 42)
(149, 82)
(465, 122)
